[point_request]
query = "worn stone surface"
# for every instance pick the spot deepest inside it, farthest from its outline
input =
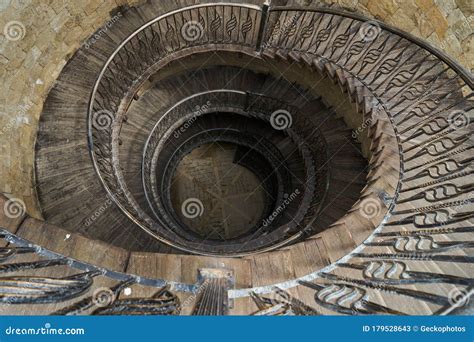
(467, 6)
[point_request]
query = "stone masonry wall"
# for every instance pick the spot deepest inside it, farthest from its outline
(37, 37)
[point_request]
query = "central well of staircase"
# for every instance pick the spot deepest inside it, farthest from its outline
(210, 150)
(228, 198)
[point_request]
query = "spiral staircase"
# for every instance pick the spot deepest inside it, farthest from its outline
(357, 134)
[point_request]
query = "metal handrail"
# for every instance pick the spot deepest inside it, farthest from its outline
(145, 155)
(466, 76)
(94, 92)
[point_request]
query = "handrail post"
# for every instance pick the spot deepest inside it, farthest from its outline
(263, 26)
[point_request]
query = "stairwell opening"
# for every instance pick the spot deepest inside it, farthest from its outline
(231, 175)
(322, 115)
(216, 197)
(317, 112)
